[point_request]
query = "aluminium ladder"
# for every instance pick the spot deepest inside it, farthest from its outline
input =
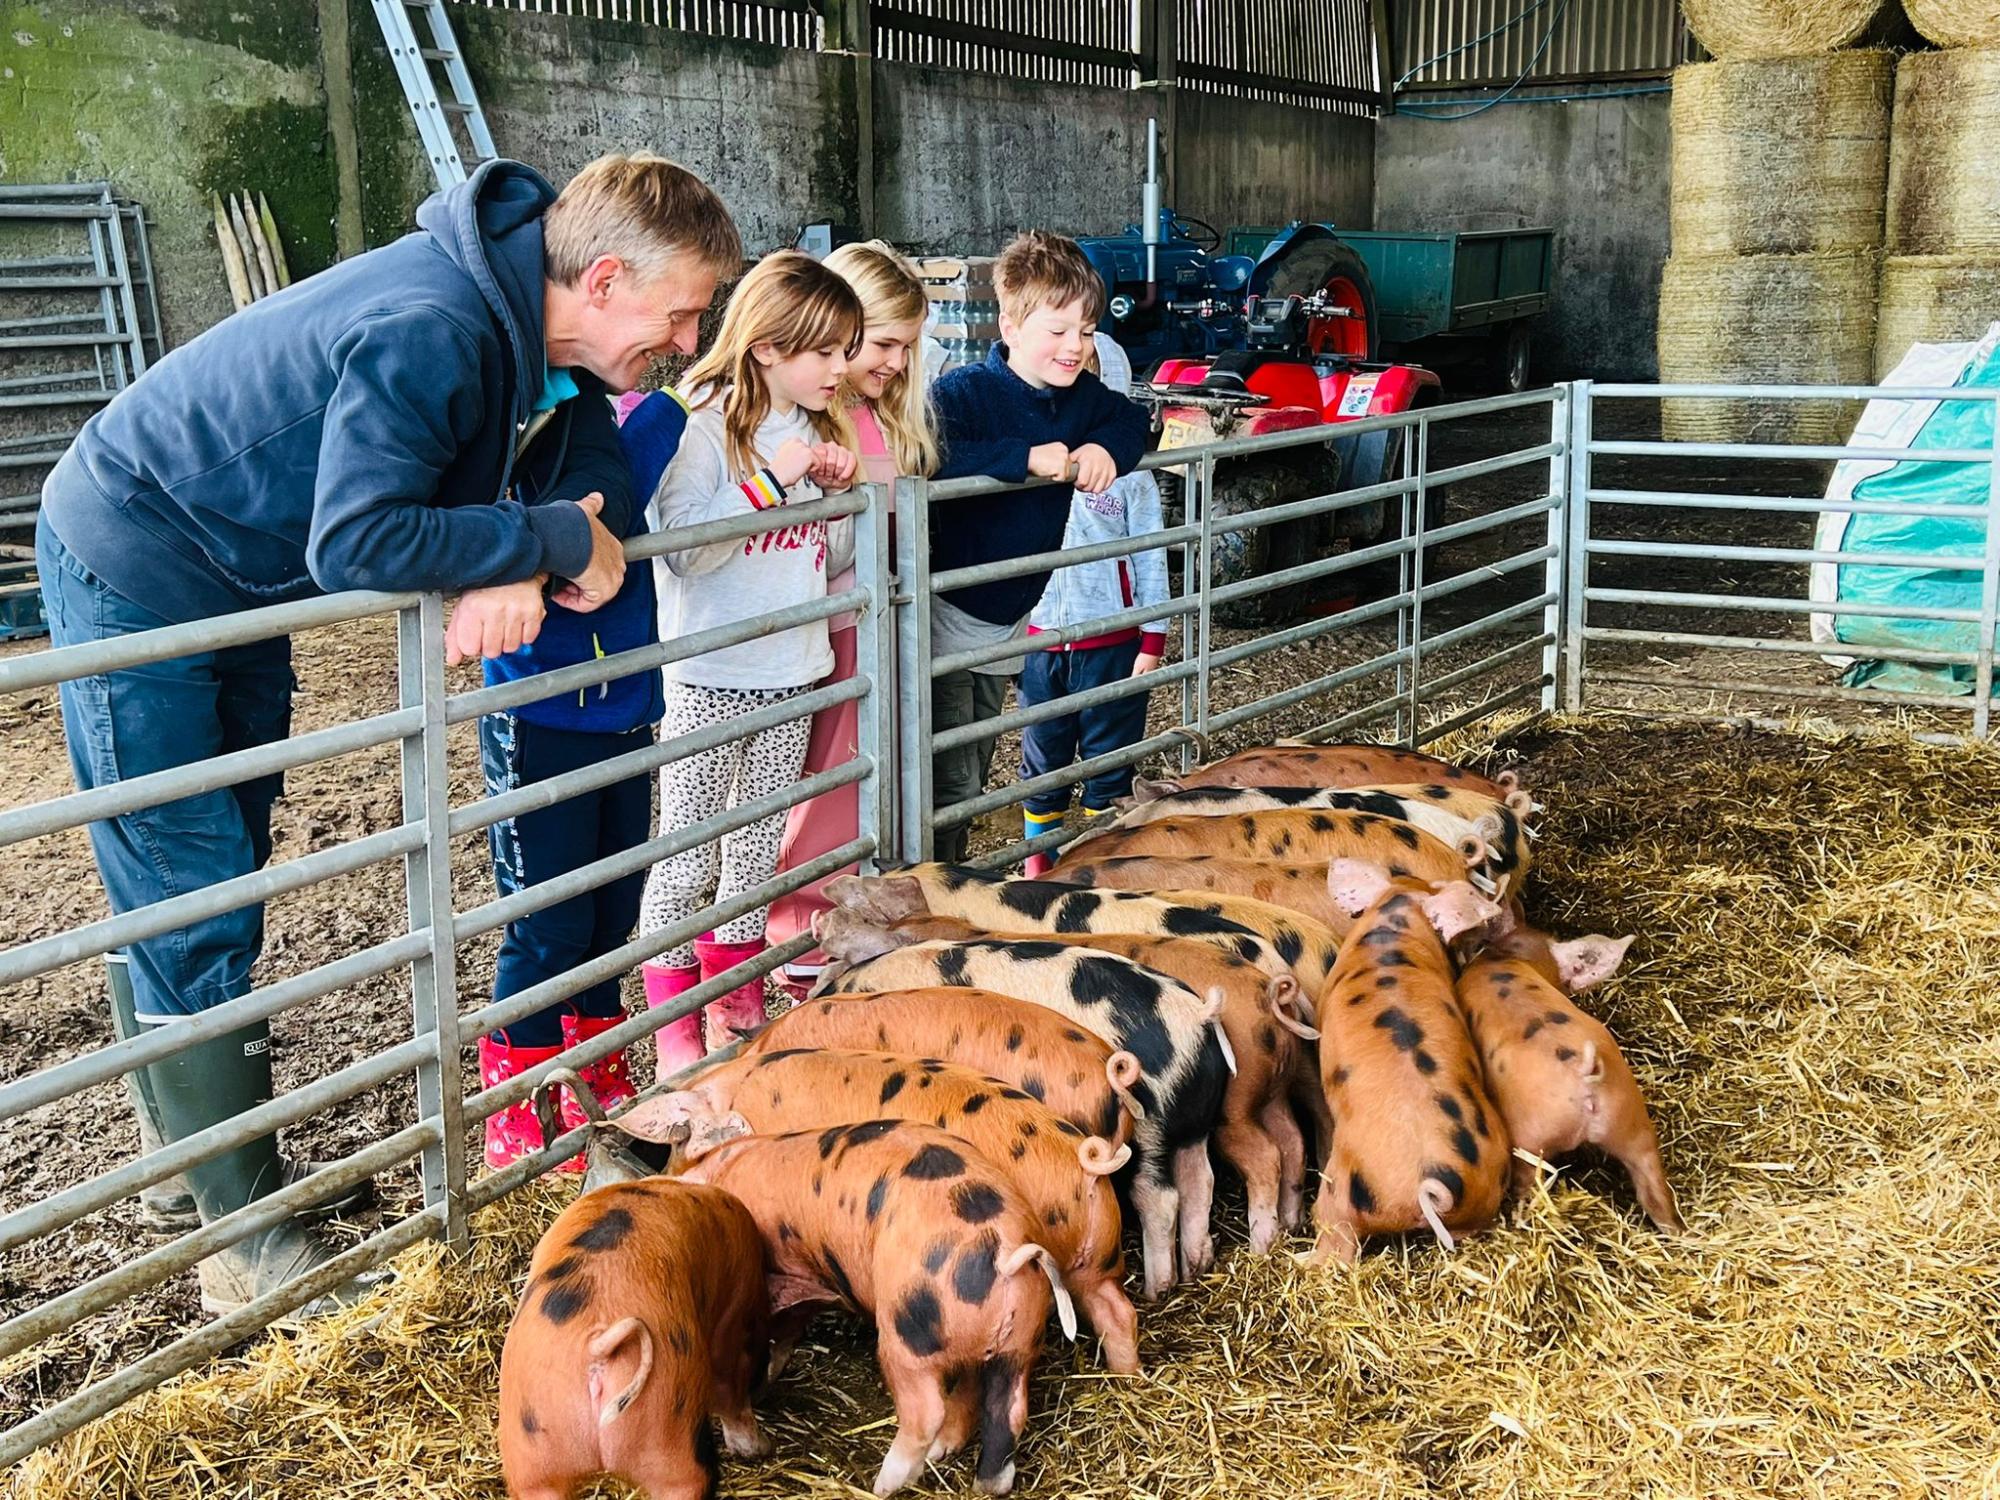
(438, 118)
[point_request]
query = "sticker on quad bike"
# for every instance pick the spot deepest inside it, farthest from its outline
(1178, 432)
(1355, 400)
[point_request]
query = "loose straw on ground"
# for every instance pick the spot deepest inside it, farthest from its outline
(1812, 1011)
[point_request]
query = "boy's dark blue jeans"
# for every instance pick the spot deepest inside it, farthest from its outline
(127, 724)
(1055, 743)
(540, 845)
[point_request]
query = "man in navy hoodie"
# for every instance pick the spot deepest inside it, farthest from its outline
(431, 415)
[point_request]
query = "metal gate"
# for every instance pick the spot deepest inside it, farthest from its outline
(1491, 572)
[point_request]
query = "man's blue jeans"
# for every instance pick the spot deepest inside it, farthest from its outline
(130, 723)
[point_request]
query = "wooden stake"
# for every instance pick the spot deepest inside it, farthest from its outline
(232, 256)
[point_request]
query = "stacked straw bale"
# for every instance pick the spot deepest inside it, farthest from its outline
(1942, 278)
(1748, 180)
(1766, 319)
(1739, 30)
(1779, 171)
(1955, 23)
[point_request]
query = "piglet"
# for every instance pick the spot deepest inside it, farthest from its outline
(645, 1310)
(909, 1225)
(1416, 1139)
(1557, 1076)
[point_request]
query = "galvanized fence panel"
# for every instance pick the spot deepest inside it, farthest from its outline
(439, 923)
(1703, 663)
(1390, 635)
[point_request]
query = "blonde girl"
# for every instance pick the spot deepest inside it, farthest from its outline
(887, 398)
(767, 427)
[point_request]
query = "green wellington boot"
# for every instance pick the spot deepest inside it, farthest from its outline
(203, 1086)
(167, 1206)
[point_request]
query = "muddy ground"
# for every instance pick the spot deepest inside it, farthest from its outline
(49, 884)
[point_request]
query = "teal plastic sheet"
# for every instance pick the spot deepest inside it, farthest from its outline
(1954, 424)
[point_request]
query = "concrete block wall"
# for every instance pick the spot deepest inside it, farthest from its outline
(1595, 171)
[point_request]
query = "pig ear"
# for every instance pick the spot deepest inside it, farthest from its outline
(712, 1131)
(896, 897)
(1588, 961)
(1152, 791)
(1355, 884)
(1456, 909)
(662, 1119)
(851, 937)
(848, 890)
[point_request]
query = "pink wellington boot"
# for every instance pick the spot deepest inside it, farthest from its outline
(610, 1078)
(741, 1011)
(514, 1132)
(1035, 866)
(679, 1042)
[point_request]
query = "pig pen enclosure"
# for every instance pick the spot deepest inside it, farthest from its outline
(1808, 1007)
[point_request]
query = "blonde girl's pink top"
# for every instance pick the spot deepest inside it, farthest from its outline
(877, 467)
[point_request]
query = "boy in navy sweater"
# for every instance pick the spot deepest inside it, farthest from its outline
(1031, 411)
(547, 738)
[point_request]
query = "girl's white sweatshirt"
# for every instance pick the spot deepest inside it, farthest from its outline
(702, 588)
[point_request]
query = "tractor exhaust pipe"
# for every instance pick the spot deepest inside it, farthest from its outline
(1149, 215)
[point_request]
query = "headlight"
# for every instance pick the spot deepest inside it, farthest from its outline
(1121, 307)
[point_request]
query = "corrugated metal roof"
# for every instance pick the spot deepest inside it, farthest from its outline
(1472, 43)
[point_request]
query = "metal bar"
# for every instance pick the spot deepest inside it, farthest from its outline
(1577, 547)
(1777, 606)
(740, 528)
(96, 209)
(1060, 557)
(540, 794)
(156, 1042)
(1381, 708)
(420, 677)
(61, 341)
(874, 665)
(1679, 501)
(96, 658)
(1413, 525)
(46, 1215)
(1204, 585)
(1083, 770)
(204, 1343)
(1885, 698)
(26, 960)
(1782, 648)
(115, 232)
(1056, 708)
(1552, 582)
(1945, 562)
(56, 283)
(1278, 702)
(157, 788)
(1473, 629)
(1989, 590)
(150, 1269)
(1625, 390)
(1799, 452)
(913, 671)
(1484, 667)
(565, 680)
(1136, 615)
(57, 398)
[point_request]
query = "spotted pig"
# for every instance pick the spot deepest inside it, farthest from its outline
(1558, 1077)
(1290, 837)
(1335, 766)
(1061, 1171)
(644, 1311)
(1416, 1139)
(1174, 1033)
(949, 1264)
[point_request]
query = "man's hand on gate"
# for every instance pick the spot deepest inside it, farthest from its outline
(598, 583)
(493, 621)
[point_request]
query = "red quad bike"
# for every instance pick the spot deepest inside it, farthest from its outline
(1310, 362)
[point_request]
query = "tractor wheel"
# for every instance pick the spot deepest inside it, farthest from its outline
(1258, 484)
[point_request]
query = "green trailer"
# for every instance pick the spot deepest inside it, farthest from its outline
(1449, 299)
(1446, 298)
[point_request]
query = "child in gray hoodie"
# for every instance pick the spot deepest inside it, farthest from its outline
(1076, 596)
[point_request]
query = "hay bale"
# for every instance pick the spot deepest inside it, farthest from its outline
(1782, 156)
(1933, 299)
(1766, 319)
(1956, 23)
(1735, 30)
(1944, 154)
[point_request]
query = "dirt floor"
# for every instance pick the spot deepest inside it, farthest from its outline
(347, 672)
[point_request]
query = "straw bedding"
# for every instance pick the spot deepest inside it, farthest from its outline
(1781, 157)
(1785, 319)
(1956, 23)
(1944, 154)
(1811, 1010)
(1933, 299)
(1737, 29)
